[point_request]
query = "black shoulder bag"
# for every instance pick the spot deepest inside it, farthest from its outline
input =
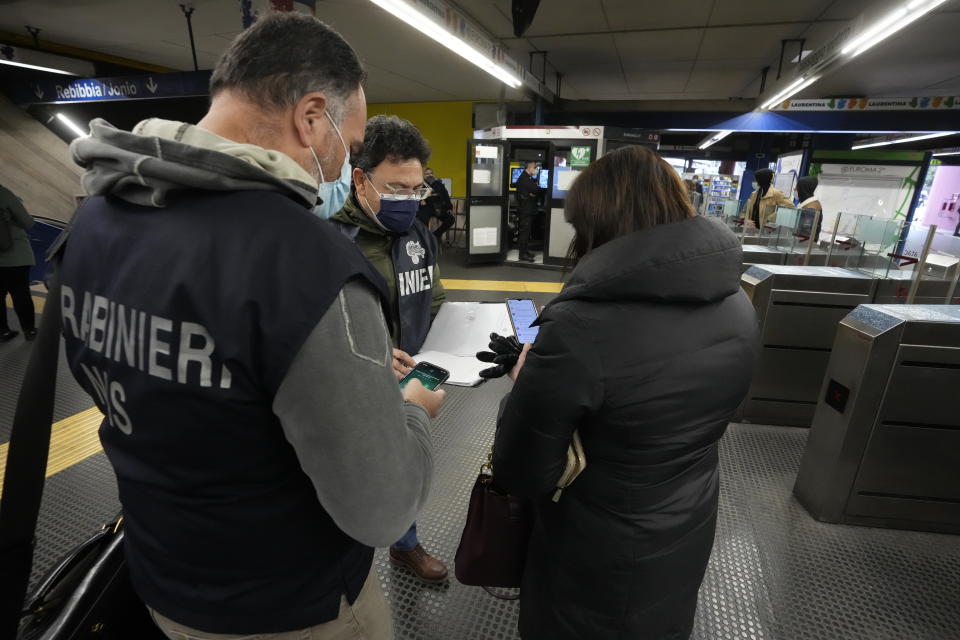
(88, 593)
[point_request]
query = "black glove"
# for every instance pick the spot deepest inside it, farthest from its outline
(503, 353)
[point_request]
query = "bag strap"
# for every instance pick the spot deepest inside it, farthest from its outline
(27, 455)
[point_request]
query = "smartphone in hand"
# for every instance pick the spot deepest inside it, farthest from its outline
(430, 375)
(523, 313)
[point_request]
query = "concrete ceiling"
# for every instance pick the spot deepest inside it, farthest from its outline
(604, 49)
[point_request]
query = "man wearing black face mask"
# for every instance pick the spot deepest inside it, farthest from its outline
(381, 217)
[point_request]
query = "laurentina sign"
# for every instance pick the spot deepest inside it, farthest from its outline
(66, 89)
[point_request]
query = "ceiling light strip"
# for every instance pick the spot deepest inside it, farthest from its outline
(794, 88)
(720, 135)
(425, 25)
(71, 125)
(36, 67)
(882, 143)
(889, 25)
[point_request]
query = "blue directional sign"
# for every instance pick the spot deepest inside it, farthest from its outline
(63, 89)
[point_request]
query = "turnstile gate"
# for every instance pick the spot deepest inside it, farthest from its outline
(798, 309)
(884, 448)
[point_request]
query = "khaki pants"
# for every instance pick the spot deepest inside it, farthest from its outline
(367, 619)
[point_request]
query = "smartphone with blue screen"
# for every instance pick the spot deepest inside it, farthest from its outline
(430, 375)
(523, 313)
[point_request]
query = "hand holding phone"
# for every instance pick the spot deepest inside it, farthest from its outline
(523, 313)
(419, 387)
(430, 375)
(431, 401)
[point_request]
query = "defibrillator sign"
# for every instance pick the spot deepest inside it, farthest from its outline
(580, 156)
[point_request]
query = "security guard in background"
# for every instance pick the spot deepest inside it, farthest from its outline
(527, 192)
(381, 217)
(436, 205)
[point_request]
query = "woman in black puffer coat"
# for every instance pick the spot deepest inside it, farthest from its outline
(647, 352)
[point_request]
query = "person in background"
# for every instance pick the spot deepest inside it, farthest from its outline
(763, 202)
(698, 185)
(16, 258)
(381, 217)
(696, 198)
(628, 355)
(261, 444)
(806, 188)
(527, 193)
(436, 205)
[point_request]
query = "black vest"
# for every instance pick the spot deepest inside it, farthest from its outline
(414, 266)
(414, 261)
(181, 323)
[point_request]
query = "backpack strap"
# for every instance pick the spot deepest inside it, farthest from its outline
(27, 454)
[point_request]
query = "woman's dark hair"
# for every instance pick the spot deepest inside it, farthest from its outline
(626, 190)
(390, 138)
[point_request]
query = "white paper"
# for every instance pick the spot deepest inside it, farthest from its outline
(463, 328)
(565, 179)
(487, 151)
(481, 176)
(485, 237)
(459, 331)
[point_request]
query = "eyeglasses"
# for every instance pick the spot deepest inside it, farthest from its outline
(389, 193)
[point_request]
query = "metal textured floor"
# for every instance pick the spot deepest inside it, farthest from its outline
(775, 572)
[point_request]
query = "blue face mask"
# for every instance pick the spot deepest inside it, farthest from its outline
(397, 216)
(332, 195)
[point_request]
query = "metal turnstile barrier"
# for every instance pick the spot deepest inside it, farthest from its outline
(798, 309)
(884, 447)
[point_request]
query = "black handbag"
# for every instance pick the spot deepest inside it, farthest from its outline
(493, 547)
(87, 594)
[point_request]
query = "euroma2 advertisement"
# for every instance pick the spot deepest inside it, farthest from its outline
(879, 190)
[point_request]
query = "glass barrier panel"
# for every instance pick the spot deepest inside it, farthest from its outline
(943, 263)
(806, 250)
(838, 241)
(874, 244)
(784, 228)
(942, 258)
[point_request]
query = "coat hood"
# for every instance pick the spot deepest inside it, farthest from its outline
(161, 157)
(693, 261)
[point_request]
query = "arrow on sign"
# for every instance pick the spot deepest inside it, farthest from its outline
(38, 93)
(151, 85)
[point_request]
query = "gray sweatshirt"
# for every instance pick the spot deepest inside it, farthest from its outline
(371, 463)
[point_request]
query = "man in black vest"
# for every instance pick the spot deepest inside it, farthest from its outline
(381, 216)
(236, 344)
(436, 205)
(527, 192)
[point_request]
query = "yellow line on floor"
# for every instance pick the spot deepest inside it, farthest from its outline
(502, 285)
(38, 303)
(73, 440)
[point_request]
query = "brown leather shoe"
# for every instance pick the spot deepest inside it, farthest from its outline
(421, 563)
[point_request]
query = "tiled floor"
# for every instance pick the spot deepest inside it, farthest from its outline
(775, 572)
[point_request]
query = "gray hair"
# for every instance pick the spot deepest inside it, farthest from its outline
(285, 56)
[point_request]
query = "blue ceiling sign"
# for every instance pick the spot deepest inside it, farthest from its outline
(66, 89)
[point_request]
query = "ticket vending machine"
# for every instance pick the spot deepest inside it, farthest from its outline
(491, 164)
